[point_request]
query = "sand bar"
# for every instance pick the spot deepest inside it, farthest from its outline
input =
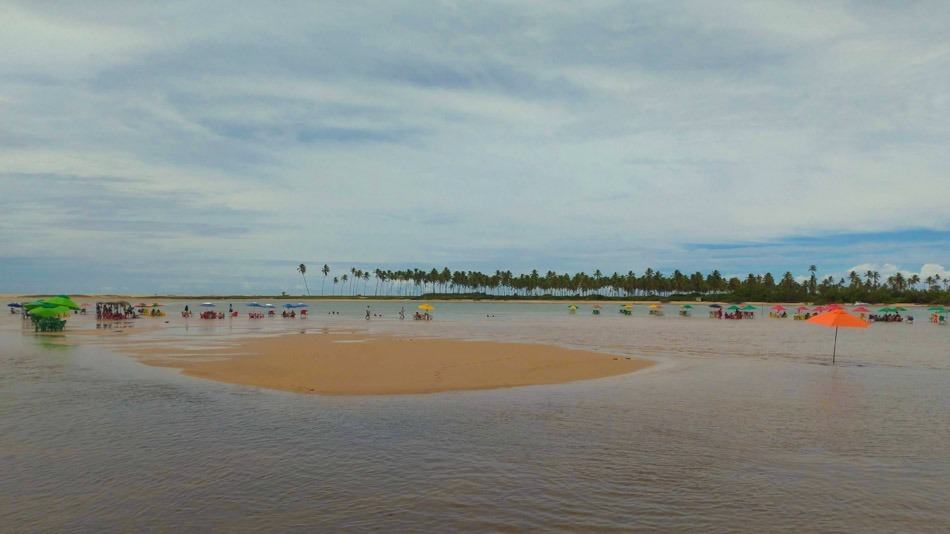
(363, 364)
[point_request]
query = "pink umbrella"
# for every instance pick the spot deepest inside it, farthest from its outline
(830, 307)
(861, 309)
(778, 307)
(819, 309)
(801, 309)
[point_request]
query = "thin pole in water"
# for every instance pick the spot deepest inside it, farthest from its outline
(834, 351)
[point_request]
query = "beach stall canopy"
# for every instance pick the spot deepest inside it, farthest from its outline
(55, 311)
(838, 319)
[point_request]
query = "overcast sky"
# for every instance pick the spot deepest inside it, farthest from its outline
(213, 146)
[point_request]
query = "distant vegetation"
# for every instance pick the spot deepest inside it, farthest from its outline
(652, 284)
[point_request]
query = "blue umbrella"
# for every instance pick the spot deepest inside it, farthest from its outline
(15, 305)
(254, 305)
(289, 306)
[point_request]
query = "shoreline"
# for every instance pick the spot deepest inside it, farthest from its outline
(367, 364)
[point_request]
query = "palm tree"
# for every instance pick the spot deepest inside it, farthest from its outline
(344, 279)
(302, 269)
(811, 281)
(335, 281)
(325, 271)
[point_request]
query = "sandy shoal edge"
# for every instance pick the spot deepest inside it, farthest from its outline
(363, 364)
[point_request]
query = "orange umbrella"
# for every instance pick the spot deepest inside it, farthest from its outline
(838, 319)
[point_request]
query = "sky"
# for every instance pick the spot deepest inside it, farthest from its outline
(196, 147)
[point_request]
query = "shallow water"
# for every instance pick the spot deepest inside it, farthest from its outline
(742, 426)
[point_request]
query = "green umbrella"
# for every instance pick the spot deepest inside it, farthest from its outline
(62, 300)
(687, 306)
(734, 308)
(749, 307)
(57, 311)
(900, 308)
(940, 309)
(887, 310)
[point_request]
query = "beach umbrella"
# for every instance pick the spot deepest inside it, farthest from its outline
(749, 307)
(301, 305)
(207, 305)
(426, 307)
(887, 310)
(268, 305)
(833, 306)
(900, 308)
(597, 306)
(733, 308)
(715, 306)
(62, 300)
(937, 308)
(655, 306)
(572, 306)
(157, 305)
(838, 319)
(55, 311)
(15, 305)
(861, 309)
(628, 306)
(687, 306)
(778, 308)
(254, 305)
(288, 306)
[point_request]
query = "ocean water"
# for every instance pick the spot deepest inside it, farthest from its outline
(741, 426)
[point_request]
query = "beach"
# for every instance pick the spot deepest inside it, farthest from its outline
(362, 364)
(114, 426)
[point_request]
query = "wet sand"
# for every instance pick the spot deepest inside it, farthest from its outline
(364, 364)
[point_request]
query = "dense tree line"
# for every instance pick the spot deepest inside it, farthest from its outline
(866, 287)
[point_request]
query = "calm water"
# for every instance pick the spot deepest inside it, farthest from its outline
(741, 427)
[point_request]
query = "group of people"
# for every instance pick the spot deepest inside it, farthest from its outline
(114, 311)
(890, 318)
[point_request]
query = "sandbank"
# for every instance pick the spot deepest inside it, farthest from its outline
(364, 364)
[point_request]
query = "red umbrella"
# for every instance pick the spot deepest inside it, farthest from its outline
(861, 309)
(833, 306)
(838, 319)
(801, 309)
(778, 307)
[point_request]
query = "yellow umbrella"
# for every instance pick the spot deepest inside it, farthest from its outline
(628, 306)
(655, 306)
(426, 307)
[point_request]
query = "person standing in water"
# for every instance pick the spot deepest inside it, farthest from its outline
(367, 313)
(402, 314)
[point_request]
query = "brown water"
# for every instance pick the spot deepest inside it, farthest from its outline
(743, 426)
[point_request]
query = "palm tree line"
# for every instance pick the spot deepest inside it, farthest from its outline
(652, 283)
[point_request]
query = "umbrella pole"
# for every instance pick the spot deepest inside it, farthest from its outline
(834, 350)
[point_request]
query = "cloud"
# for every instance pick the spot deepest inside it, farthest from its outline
(757, 136)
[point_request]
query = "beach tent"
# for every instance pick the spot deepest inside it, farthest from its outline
(838, 319)
(56, 311)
